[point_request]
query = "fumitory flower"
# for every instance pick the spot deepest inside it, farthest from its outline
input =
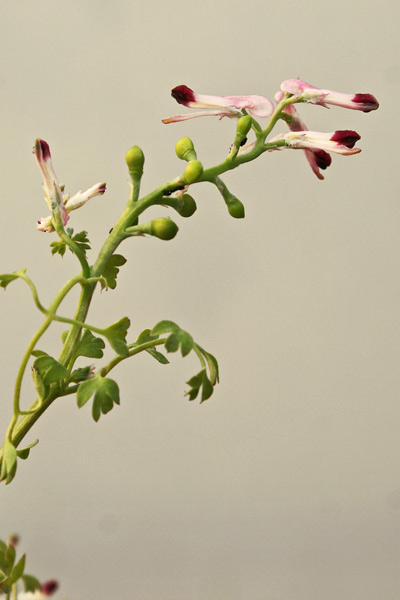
(309, 93)
(318, 159)
(340, 142)
(54, 196)
(219, 106)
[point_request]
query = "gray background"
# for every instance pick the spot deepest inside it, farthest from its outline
(285, 485)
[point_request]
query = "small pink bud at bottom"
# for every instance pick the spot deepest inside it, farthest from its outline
(49, 587)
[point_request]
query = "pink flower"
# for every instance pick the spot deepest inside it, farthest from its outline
(57, 200)
(228, 106)
(340, 142)
(317, 159)
(309, 93)
(51, 186)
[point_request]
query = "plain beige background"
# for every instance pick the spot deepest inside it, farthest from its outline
(285, 485)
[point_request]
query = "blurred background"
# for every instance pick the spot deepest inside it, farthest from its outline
(285, 484)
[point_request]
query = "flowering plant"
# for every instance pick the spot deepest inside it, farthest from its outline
(72, 372)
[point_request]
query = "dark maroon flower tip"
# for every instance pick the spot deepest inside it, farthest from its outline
(49, 587)
(346, 137)
(182, 94)
(367, 102)
(322, 158)
(42, 149)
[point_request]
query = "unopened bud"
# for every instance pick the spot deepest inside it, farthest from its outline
(164, 228)
(189, 206)
(134, 158)
(185, 150)
(193, 172)
(244, 125)
(235, 208)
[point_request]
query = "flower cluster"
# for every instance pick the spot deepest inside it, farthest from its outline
(316, 145)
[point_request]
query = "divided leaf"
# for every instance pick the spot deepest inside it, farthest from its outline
(178, 337)
(31, 584)
(200, 382)
(116, 335)
(106, 394)
(111, 270)
(80, 239)
(89, 346)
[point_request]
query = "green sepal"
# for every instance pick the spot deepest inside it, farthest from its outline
(116, 335)
(89, 346)
(111, 270)
(197, 382)
(23, 453)
(30, 583)
(7, 278)
(106, 394)
(49, 369)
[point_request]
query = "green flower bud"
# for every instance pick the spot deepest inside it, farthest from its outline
(193, 172)
(244, 125)
(235, 208)
(164, 228)
(134, 158)
(185, 150)
(189, 206)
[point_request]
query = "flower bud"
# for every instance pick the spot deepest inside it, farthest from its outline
(164, 228)
(235, 208)
(134, 158)
(193, 172)
(244, 125)
(185, 150)
(189, 206)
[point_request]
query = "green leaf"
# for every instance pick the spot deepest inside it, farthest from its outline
(8, 462)
(31, 584)
(145, 336)
(111, 270)
(82, 240)
(24, 452)
(41, 388)
(58, 247)
(172, 343)
(3, 546)
(89, 346)
(18, 570)
(106, 394)
(79, 375)
(49, 369)
(158, 356)
(178, 337)
(9, 558)
(7, 278)
(85, 391)
(200, 382)
(116, 335)
(164, 327)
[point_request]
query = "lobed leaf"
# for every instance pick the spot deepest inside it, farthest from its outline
(111, 270)
(7, 278)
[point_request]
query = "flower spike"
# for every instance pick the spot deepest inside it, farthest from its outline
(219, 106)
(309, 93)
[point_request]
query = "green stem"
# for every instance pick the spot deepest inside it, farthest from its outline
(132, 351)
